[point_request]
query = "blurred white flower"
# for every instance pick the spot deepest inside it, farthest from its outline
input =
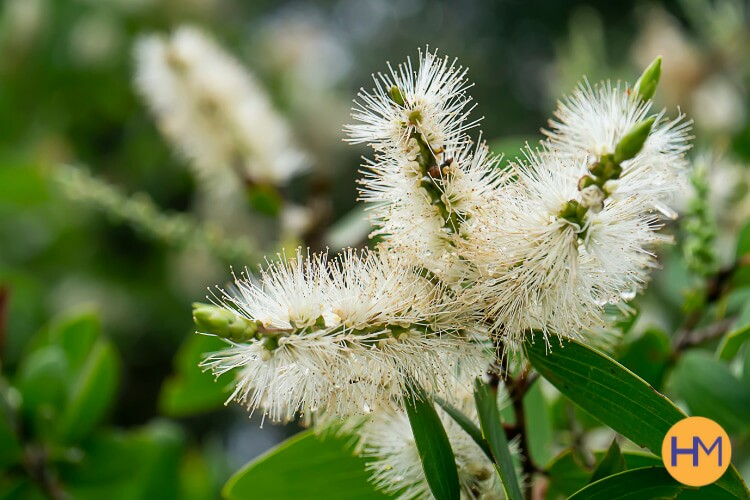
(214, 111)
(388, 442)
(343, 336)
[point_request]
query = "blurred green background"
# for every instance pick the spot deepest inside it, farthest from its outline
(73, 267)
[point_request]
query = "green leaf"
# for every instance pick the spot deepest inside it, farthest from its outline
(151, 456)
(191, 390)
(710, 390)
(467, 425)
(568, 473)
(648, 356)
(616, 396)
(612, 463)
(90, 393)
(494, 433)
(734, 339)
(41, 381)
(636, 484)
(435, 452)
(538, 424)
(606, 389)
(304, 466)
(10, 447)
(743, 242)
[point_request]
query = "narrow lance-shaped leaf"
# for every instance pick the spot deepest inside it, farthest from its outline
(467, 425)
(492, 428)
(432, 442)
(612, 463)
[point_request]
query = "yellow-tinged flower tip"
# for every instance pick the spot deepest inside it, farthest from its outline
(649, 80)
(632, 142)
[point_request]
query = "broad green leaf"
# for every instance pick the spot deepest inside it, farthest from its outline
(648, 356)
(191, 390)
(606, 389)
(739, 334)
(538, 424)
(90, 393)
(612, 463)
(710, 390)
(304, 466)
(467, 425)
(150, 456)
(494, 433)
(435, 452)
(636, 484)
(614, 395)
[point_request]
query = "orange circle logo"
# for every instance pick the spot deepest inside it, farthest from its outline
(696, 451)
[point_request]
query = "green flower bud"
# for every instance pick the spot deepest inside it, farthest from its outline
(223, 323)
(631, 144)
(649, 80)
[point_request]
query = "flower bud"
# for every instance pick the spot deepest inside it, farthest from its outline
(649, 80)
(223, 323)
(631, 144)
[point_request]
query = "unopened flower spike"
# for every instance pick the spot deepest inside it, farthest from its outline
(649, 80)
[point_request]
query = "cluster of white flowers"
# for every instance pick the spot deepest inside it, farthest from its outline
(214, 111)
(342, 336)
(474, 256)
(544, 244)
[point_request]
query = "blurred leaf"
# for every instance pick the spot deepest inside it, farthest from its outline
(304, 466)
(734, 339)
(435, 452)
(616, 396)
(538, 424)
(743, 242)
(648, 356)
(150, 455)
(265, 199)
(646, 482)
(196, 478)
(191, 390)
(710, 390)
(22, 185)
(746, 367)
(10, 448)
(612, 463)
(91, 392)
(41, 381)
(512, 145)
(494, 433)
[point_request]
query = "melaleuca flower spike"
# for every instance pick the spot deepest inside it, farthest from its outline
(214, 111)
(430, 103)
(338, 336)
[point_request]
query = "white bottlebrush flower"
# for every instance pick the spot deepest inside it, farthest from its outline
(592, 121)
(424, 217)
(387, 440)
(430, 101)
(214, 111)
(548, 272)
(343, 336)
